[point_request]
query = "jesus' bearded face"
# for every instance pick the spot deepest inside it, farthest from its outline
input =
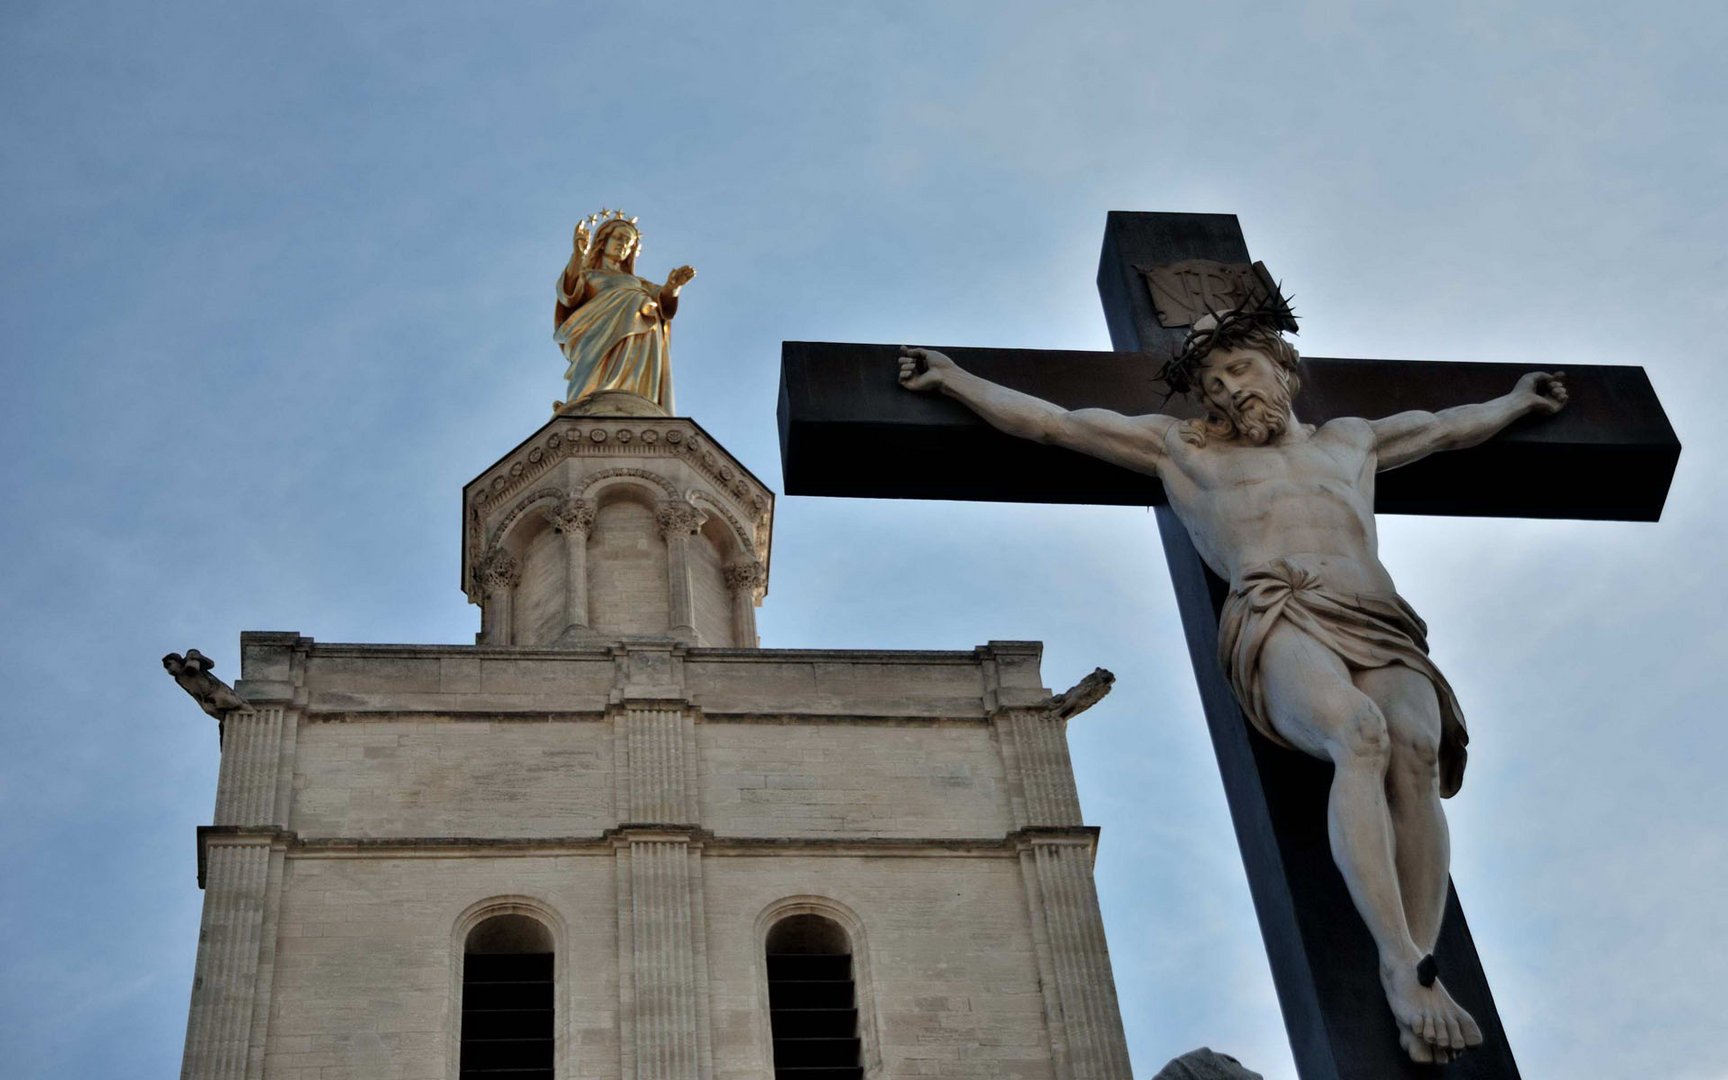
(1248, 390)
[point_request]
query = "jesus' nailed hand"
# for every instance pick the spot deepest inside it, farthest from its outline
(1324, 656)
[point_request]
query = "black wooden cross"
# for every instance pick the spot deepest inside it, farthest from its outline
(847, 428)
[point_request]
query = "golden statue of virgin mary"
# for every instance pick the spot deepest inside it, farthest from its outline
(613, 327)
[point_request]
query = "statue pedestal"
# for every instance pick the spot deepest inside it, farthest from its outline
(609, 403)
(602, 528)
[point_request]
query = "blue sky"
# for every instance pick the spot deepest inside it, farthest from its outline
(276, 282)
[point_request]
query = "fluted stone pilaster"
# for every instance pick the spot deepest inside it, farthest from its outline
(659, 747)
(1080, 995)
(249, 776)
(663, 959)
(1040, 774)
(663, 949)
(1080, 1008)
(231, 937)
(242, 858)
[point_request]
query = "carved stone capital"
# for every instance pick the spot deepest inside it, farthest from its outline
(747, 574)
(499, 570)
(576, 516)
(679, 518)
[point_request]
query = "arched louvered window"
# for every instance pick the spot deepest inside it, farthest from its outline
(812, 1001)
(507, 1012)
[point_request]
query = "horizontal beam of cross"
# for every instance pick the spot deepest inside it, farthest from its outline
(847, 428)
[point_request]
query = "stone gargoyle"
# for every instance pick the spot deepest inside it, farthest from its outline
(192, 672)
(1081, 696)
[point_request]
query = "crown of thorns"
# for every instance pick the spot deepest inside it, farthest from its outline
(1264, 308)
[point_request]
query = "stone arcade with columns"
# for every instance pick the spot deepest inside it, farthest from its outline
(616, 838)
(606, 528)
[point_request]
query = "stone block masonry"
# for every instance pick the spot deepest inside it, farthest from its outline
(654, 804)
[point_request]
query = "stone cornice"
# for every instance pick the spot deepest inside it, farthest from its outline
(349, 715)
(354, 650)
(1009, 844)
(439, 682)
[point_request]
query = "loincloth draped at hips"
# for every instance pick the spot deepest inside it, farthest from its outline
(1364, 631)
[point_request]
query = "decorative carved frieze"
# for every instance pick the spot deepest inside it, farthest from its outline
(648, 442)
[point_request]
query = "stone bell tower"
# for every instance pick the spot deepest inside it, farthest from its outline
(615, 839)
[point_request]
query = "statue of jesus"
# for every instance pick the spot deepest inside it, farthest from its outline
(1324, 655)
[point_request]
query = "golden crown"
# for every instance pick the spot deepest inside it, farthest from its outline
(589, 226)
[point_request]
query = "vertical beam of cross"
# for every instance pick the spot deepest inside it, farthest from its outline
(1323, 960)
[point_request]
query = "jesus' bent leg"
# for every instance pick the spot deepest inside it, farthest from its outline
(1423, 845)
(1314, 704)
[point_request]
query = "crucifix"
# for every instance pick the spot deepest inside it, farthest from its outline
(1267, 524)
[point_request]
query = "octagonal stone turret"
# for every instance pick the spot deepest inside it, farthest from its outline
(617, 528)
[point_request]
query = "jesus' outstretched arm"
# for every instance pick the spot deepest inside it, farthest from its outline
(1411, 436)
(1133, 442)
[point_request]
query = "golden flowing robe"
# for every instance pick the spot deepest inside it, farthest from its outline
(616, 337)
